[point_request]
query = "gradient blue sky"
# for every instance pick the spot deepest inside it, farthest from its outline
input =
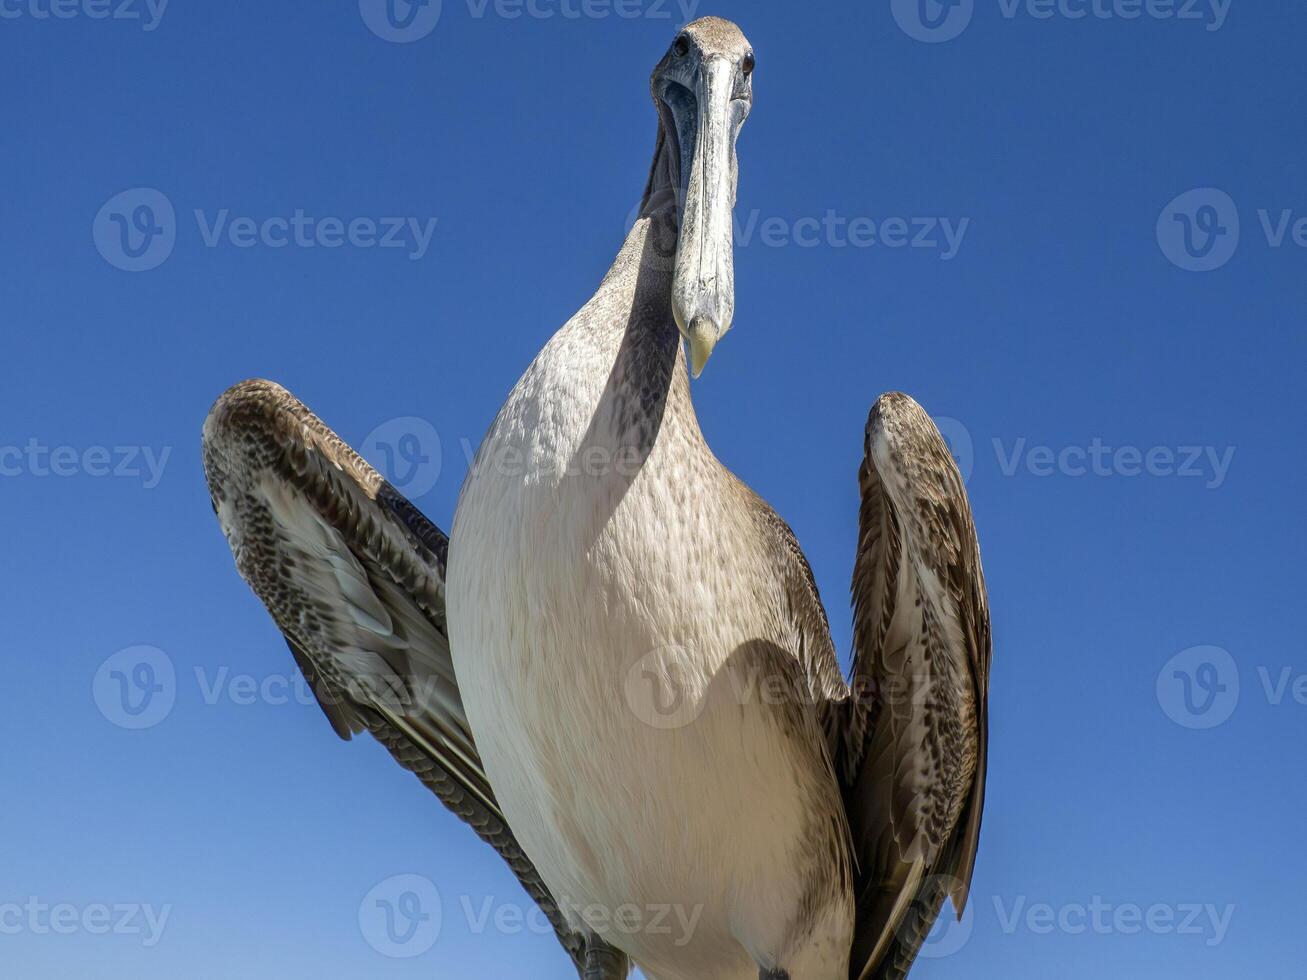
(1062, 323)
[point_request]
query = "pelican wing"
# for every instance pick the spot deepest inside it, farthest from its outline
(354, 576)
(913, 764)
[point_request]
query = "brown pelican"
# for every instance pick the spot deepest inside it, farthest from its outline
(810, 827)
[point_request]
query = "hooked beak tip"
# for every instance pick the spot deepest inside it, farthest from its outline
(702, 337)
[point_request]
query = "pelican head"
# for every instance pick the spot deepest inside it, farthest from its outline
(703, 88)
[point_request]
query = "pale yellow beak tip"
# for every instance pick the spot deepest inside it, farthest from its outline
(701, 347)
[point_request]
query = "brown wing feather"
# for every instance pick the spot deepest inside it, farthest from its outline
(914, 757)
(354, 576)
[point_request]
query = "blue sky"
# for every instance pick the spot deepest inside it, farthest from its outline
(1103, 306)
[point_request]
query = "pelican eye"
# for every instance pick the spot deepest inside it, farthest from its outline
(747, 66)
(682, 46)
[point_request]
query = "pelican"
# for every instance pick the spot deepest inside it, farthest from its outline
(617, 668)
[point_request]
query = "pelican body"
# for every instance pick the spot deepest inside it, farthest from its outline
(617, 669)
(575, 586)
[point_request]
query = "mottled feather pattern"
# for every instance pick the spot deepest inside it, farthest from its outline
(914, 752)
(270, 462)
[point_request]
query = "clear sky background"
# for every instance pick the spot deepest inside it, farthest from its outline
(1068, 347)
